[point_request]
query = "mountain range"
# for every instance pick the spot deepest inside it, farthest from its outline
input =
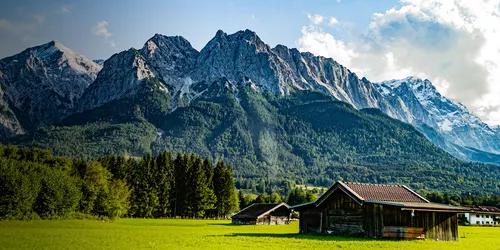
(240, 99)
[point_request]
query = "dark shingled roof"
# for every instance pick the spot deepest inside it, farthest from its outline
(483, 209)
(379, 192)
(255, 210)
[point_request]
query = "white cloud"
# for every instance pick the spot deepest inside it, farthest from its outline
(101, 29)
(316, 18)
(316, 41)
(338, 1)
(455, 44)
(333, 21)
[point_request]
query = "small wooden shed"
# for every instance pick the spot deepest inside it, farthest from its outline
(263, 214)
(378, 211)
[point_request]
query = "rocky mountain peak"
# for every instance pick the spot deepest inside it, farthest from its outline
(43, 83)
(56, 54)
(241, 38)
(170, 56)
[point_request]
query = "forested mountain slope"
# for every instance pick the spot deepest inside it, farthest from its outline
(306, 136)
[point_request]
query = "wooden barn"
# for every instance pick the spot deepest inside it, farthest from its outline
(378, 211)
(263, 214)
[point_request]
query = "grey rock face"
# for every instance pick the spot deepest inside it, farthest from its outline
(120, 77)
(41, 84)
(244, 57)
(170, 59)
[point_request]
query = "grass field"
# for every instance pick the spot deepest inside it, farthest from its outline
(206, 234)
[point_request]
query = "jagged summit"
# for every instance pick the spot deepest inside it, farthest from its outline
(42, 83)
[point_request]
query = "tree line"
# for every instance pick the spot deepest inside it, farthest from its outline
(36, 184)
(463, 199)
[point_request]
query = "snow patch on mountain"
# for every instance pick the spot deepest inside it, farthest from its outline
(452, 119)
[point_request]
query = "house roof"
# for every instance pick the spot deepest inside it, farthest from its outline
(257, 210)
(392, 195)
(483, 209)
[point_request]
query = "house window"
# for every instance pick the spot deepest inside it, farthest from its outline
(477, 222)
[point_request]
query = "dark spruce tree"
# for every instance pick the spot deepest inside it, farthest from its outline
(201, 196)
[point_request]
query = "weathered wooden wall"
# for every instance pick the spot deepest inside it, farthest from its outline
(343, 215)
(380, 219)
(340, 214)
(310, 220)
(373, 220)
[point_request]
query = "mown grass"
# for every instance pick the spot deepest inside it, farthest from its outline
(206, 234)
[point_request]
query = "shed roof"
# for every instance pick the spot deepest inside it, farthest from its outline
(257, 210)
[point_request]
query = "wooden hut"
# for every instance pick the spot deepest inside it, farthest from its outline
(263, 214)
(378, 211)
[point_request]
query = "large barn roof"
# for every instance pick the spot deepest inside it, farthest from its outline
(378, 192)
(257, 210)
(374, 192)
(393, 195)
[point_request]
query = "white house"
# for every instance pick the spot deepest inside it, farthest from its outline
(482, 215)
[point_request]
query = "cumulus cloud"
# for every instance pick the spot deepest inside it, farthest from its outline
(316, 41)
(316, 18)
(333, 21)
(101, 29)
(455, 44)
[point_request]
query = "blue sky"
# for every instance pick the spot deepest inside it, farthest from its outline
(455, 44)
(131, 23)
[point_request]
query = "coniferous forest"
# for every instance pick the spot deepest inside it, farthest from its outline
(36, 184)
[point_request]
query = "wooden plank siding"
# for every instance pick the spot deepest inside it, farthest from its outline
(340, 214)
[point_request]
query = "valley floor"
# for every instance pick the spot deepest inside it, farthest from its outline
(206, 234)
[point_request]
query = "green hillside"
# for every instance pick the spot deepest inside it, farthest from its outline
(306, 137)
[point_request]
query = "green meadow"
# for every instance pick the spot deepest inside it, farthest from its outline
(206, 234)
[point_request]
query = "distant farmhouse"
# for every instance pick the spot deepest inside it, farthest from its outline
(263, 214)
(481, 215)
(378, 211)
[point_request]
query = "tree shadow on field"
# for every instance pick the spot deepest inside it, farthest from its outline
(304, 237)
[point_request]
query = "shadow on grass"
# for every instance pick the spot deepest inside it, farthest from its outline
(304, 237)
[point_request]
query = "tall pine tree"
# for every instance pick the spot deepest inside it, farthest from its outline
(164, 181)
(201, 197)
